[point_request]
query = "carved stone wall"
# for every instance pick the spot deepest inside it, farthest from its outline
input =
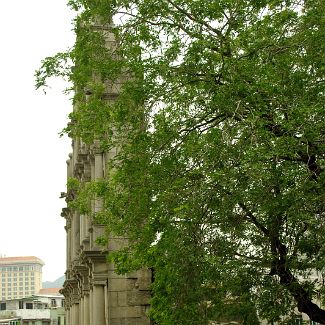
(94, 293)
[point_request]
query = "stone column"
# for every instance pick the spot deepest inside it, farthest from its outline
(98, 165)
(91, 311)
(106, 305)
(71, 238)
(67, 317)
(69, 165)
(84, 229)
(99, 173)
(81, 308)
(86, 316)
(76, 232)
(87, 226)
(98, 305)
(68, 248)
(72, 315)
(76, 314)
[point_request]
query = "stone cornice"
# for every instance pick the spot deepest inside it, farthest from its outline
(95, 256)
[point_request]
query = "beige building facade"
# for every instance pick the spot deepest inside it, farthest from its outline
(20, 276)
(34, 310)
(94, 293)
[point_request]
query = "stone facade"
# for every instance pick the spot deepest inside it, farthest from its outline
(94, 293)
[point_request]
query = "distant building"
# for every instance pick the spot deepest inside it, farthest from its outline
(49, 292)
(20, 276)
(42, 309)
(11, 321)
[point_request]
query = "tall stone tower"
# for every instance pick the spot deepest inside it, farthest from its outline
(94, 293)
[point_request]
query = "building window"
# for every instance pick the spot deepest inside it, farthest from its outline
(21, 304)
(59, 320)
(3, 306)
(53, 302)
(62, 303)
(29, 305)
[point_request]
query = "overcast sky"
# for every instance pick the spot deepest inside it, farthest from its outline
(33, 156)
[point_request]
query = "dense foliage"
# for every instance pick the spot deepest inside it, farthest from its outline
(219, 180)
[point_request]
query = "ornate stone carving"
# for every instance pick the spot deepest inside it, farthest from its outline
(95, 294)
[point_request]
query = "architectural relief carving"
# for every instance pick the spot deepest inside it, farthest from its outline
(94, 293)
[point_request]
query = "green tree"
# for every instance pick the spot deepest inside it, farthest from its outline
(219, 180)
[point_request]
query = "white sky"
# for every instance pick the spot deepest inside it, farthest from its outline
(32, 160)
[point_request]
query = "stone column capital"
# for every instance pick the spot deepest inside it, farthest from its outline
(99, 279)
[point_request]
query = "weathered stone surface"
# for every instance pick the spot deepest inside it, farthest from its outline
(121, 284)
(122, 298)
(135, 298)
(112, 275)
(130, 321)
(113, 299)
(115, 244)
(126, 312)
(143, 283)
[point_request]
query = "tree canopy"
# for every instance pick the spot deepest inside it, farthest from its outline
(219, 178)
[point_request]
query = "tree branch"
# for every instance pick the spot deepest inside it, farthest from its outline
(302, 297)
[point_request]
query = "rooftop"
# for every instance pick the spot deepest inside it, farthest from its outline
(20, 260)
(50, 291)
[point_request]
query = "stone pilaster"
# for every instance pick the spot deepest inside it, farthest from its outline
(86, 314)
(98, 304)
(81, 309)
